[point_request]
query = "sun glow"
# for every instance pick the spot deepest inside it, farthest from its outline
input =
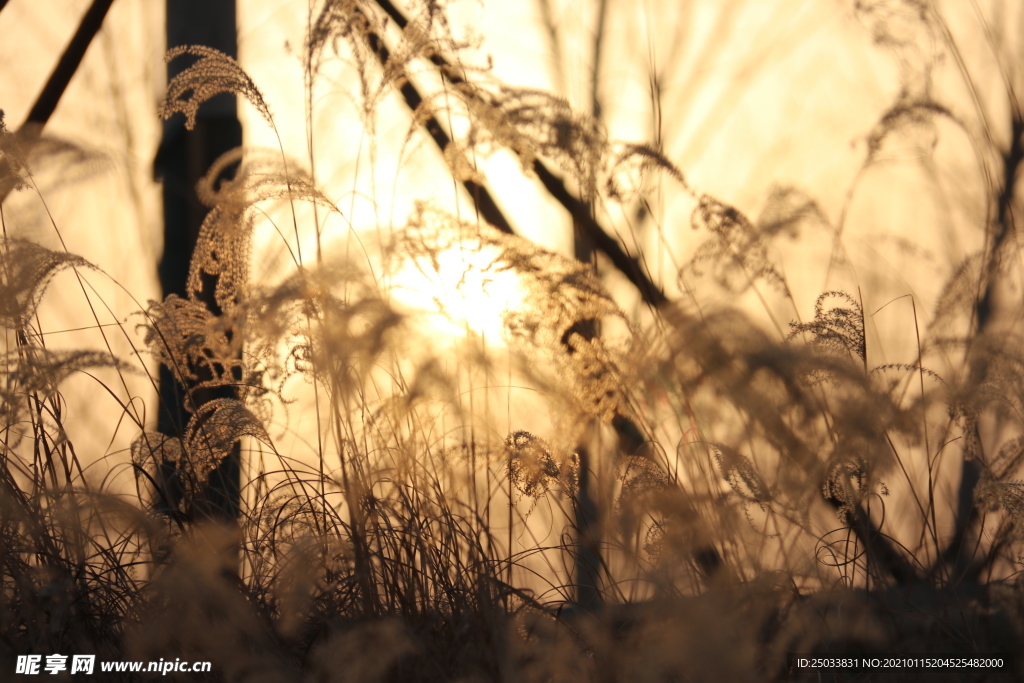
(462, 291)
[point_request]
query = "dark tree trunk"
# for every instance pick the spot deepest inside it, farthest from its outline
(183, 159)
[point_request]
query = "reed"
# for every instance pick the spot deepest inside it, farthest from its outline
(705, 494)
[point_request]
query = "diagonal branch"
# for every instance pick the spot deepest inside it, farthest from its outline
(630, 266)
(69, 62)
(957, 553)
(61, 76)
(581, 212)
(878, 546)
(485, 203)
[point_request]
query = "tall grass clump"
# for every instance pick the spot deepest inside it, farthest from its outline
(693, 491)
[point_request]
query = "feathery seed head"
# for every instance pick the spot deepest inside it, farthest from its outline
(214, 73)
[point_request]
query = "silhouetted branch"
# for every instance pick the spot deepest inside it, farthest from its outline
(879, 549)
(962, 563)
(580, 210)
(66, 68)
(602, 241)
(69, 62)
(482, 198)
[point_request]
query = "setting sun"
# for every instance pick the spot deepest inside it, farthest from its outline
(463, 287)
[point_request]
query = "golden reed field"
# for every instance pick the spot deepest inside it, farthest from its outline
(355, 340)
